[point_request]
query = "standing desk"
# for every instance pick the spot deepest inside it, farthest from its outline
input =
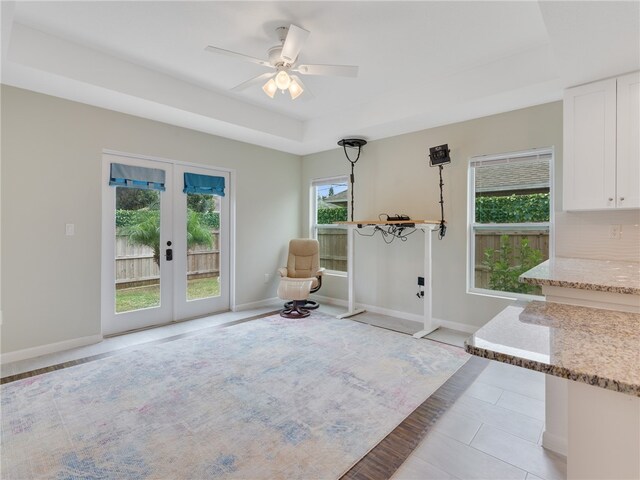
(427, 226)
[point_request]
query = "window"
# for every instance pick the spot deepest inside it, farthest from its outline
(329, 204)
(509, 214)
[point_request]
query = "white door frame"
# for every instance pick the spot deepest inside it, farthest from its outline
(111, 321)
(183, 308)
(107, 273)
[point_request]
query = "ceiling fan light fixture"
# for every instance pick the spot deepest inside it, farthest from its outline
(283, 65)
(282, 80)
(270, 88)
(295, 89)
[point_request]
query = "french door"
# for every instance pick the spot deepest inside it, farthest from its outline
(165, 254)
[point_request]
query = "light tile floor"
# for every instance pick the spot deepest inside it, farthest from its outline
(444, 335)
(492, 432)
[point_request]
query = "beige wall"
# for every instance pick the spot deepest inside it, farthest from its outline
(51, 158)
(51, 155)
(393, 176)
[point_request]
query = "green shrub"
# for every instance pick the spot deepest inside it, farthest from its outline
(147, 232)
(505, 266)
(210, 219)
(129, 218)
(331, 215)
(513, 208)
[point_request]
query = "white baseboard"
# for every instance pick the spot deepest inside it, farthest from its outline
(414, 317)
(48, 348)
(338, 302)
(461, 327)
(554, 443)
(267, 302)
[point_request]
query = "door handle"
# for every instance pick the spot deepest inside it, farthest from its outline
(169, 254)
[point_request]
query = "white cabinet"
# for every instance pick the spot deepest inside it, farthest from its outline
(601, 145)
(628, 151)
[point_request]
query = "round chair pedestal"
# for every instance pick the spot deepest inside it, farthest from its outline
(296, 292)
(295, 310)
(308, 305)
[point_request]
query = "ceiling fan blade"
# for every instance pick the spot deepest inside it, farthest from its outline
(293, 43)
(328, 70)
(229, 53)
(254, 81)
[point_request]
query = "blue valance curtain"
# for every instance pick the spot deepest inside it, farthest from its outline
(136, 177)
(195, 183)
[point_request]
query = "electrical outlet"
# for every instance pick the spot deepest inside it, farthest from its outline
(267, 277)
(615, 232)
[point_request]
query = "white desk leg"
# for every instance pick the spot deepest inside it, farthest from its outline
(351, 275)
(428, 320)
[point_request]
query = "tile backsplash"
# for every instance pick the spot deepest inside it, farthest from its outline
(587, 235)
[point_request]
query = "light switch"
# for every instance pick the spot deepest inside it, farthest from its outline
(70, 229)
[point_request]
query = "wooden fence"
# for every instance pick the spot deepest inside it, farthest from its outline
(538, 239)
(135, 265)
(333, 248)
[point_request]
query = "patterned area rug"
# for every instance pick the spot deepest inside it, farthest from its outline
(270, 398)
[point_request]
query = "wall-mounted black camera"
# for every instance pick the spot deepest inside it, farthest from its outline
(439, 155)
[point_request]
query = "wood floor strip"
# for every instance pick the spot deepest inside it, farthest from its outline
(386, 457)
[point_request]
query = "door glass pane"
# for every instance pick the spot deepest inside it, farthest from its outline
(203, 253)
(137, 249)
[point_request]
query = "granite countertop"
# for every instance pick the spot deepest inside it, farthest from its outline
(580, 273)
(589, 345)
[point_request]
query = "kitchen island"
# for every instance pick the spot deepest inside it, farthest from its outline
(591, 357)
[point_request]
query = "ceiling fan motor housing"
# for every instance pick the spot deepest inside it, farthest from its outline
(275, 57)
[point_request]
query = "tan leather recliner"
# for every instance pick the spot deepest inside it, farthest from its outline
(301, 277)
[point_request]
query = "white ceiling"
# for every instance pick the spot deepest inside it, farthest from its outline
(422, 64)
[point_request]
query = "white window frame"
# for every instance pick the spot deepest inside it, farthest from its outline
(313, 205)
(473, 227)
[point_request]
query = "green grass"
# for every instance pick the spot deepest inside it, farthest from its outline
(129, 299)
(203, 288)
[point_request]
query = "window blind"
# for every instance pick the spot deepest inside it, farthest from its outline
(489, 160)
(137, 177)
(203, 184)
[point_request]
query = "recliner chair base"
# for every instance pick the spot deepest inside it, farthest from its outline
(308, 305)
(295, 309)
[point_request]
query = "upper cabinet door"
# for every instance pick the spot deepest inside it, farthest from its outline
(628, 176)
(589, 161)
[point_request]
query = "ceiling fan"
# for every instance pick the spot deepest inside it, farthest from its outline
(283, 59)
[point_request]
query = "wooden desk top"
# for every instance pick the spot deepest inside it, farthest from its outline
(390, 222)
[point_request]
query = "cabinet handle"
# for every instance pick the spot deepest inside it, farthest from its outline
(621, 199)
(611, 199)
